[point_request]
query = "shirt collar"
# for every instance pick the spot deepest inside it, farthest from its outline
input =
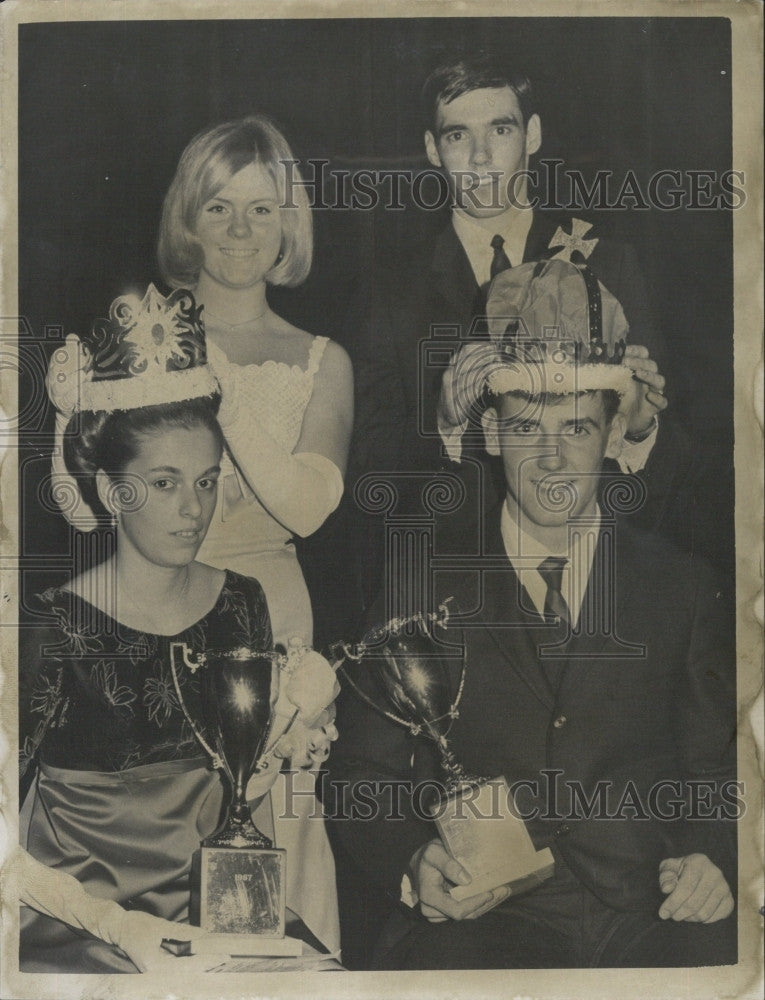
(526, 553)
(513, 226)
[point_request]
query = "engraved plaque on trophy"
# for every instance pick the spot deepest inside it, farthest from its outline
(238, 877)
(474, 816)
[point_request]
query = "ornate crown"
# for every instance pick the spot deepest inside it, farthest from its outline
(149, 351)
(557, 330)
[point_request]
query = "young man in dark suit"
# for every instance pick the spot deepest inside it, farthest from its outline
(482, 128)
(600, 682)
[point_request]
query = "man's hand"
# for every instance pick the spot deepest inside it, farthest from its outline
(464, 381)
(433, 872)
(646, 397)
(696, 890)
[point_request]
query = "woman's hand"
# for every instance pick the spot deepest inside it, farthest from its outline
(464, 381)
(645, 398)
(301, 488)
(140, 936)
(66, 369)
(59, 895)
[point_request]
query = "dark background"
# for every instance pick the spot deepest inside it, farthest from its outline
(105, 109)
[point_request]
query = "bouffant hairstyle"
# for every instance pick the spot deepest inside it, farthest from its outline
(109, 441)
(206, 165)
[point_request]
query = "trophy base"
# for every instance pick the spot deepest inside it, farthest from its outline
(239, 891)
(491, 843)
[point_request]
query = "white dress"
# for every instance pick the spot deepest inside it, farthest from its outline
(244, 537)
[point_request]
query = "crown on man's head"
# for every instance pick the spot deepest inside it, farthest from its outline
(557, 330)
(148, 351)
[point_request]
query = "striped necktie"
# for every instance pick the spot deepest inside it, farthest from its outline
(556, 613)
(551, 571)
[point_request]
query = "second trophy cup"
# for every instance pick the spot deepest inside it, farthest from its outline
(474, 815)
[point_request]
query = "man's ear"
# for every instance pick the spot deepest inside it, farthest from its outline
(615, 442)
(490, 424)
(533, 135)
(432, 150)
(105, 489)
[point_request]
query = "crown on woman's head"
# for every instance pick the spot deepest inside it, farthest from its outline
(150, 350)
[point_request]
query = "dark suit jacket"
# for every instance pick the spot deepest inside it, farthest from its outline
(431, 298)
(402, 331)
(652, 701)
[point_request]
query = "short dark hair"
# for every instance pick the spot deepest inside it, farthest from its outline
(460, 74)
(110, 441)
(610, 397)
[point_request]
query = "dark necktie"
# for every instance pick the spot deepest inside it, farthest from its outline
(556, 610)
(500, 261)
(551, 571)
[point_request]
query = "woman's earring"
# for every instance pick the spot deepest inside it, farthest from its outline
(279, 258)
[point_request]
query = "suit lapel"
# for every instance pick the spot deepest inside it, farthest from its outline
(609, 595)
(453, 275)
(543, 226)
(504, 601)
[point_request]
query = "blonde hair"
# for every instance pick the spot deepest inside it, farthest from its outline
(206, 165)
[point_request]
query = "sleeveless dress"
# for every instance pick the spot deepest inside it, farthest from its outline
(243, 535)
(118, 791)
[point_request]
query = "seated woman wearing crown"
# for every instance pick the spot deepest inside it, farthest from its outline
(117, 790)
(232, 225)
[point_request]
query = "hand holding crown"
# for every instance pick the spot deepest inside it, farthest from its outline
(68, 366)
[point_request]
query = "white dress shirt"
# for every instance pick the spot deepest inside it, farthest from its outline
(513, 226)
(526, 555)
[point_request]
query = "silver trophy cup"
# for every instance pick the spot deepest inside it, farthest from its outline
(238, 877)
(474, 815)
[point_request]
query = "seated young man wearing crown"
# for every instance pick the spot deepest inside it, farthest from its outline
(599, 682)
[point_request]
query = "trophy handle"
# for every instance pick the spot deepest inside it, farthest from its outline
(414, 729)
(344, 651)
(217, 761)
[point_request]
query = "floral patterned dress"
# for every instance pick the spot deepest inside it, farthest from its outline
(118, 791)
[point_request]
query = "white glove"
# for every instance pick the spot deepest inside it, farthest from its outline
(299, 490)
(462, 386)
(66, 370)
(140, 936)
(62, 897)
